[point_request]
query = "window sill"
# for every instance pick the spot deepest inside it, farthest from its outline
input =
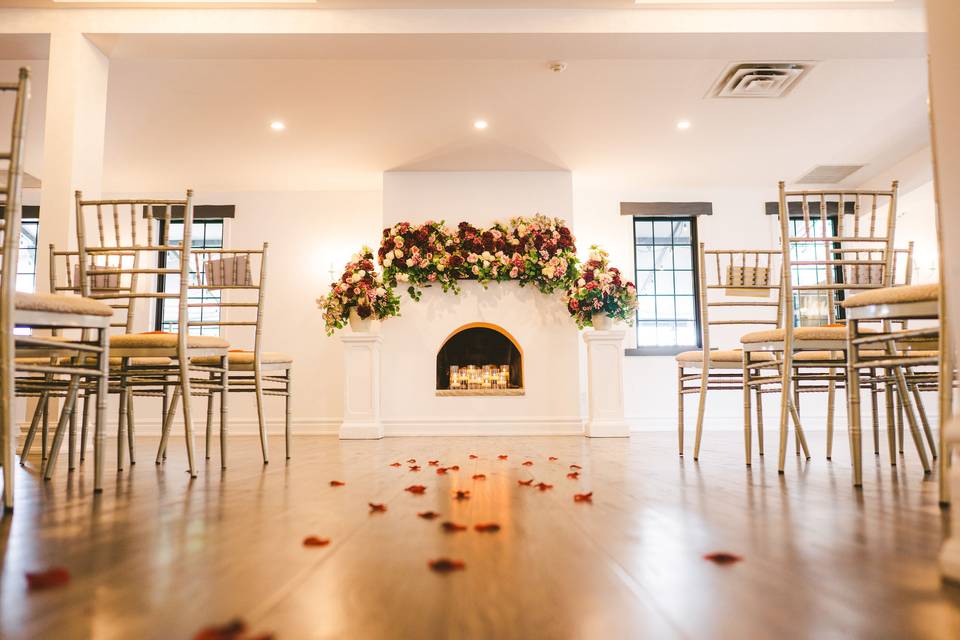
(659, 351)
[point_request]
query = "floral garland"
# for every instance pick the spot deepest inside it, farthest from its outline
(540, 251)
(360, 289)
(601, 289)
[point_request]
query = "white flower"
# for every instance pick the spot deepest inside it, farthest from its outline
(411, 262)
(581, 282)
(361, 273)
(398, 241)
(402, 277)
(388, 260)
(398, 253)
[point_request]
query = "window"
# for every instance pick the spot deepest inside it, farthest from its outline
(207, 234)
(27, 260)
(810, 308)
(668, 319)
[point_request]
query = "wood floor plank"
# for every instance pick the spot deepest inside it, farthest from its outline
(160, 556)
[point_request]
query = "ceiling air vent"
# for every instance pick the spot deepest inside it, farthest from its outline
(830, 173)
(759, 79)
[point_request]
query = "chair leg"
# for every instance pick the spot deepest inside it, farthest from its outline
(288, 414)
(258, 388)
(786, 405)
(759, 394)
(901, 388)
(32, 431)
(799, 434)
(747, 413)
(831, 410)
(7, 424)
(209, 431)
(62, 426)
(796, 408)
(167, 425)
(84, 423)
(680, 425)
(853, 417)
(924, 421)
(99, 426)
(121, 426)
(874, 402)
(72, 437)
(224, 404)
(131, 429)
(44, 429)
(186, 399)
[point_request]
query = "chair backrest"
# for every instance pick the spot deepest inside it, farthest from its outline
(65, 279)
(11, 161)
(119, 263)
(227, 291)
(842, 242)
(738, 287)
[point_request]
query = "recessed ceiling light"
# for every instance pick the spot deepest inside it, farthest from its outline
(277, 125)
(683, 124)
(480, 124)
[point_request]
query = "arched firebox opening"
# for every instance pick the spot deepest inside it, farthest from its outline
(480, 359)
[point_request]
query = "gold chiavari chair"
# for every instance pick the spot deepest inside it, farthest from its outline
(117, 238)
(834, 229)
(229, 293)
(737, 288)
(70, 362)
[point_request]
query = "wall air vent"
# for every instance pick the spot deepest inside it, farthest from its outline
(759, 79)
(830, 173)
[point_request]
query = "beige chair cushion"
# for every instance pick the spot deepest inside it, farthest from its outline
(243, 360)
(800, 333)
(61, 304)
(895, 295)
(721, 355)
(159, 340)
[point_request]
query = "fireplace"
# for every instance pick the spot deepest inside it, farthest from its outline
(480, 359)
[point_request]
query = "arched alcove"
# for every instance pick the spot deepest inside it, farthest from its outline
(480, 359)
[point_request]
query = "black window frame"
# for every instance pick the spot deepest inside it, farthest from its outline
(838, 275)
(672, 350)
(158, 320)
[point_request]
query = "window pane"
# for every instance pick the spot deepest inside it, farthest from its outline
(646, 333)
(682, 258)
(207, 234)
(663, 258)
(685, 308)
(663, 232)
(645, 283)
(644, 258)
(683, 282)
(643, 232)
(664, 282)
(665, 308)
(686, 333)
(666, 334)
(681, 232)
(646, 308)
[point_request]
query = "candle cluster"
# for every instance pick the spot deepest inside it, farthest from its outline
(488, 376)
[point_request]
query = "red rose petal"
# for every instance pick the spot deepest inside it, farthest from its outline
(337, 483)
(583, 497)
(543, 486)
(553, 458)
(455, 467)
(441, 471)
(479, 476)
(487, 527)
(416, 488)
(433, 463)
(461, 495)
(472, 457)
(528, 463)
(415, 468)
(574, 475)
(47, 579)
(446, 565)
(428, 515)
(451, 527)
(377, 508)
(314, 541)
(395, 464)
(412, 461)
(722, 557)
(502, 457)
(233, 630)
(575, 466)
(525, 483)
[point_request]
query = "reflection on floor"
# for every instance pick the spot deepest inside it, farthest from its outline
(158, 556)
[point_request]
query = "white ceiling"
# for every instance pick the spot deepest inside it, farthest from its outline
(204, 122)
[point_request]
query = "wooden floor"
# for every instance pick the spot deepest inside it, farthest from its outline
(158, 556)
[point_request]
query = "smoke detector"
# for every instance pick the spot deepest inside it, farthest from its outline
(557, 66)
(759, 79)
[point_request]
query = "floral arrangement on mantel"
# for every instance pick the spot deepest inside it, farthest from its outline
(359, 294)
(540, 251)
(601, 291)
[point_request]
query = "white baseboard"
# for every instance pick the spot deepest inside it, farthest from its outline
(509, 426)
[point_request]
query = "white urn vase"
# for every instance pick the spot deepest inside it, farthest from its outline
(602, 322)
(358, 324)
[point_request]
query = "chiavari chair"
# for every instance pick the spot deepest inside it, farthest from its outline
(70, 362)
(834, 229)
(737, 288)
(133, 256)
(229, 290)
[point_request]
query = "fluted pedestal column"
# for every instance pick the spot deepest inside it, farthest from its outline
(361, 387)
(605, 384)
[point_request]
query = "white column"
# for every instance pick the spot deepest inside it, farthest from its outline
(943, 17)
(361, 387)
(605, 384)
(73, 139)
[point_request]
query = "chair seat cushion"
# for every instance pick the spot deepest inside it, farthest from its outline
(161, 340)
(243, 360)
(61, 304)
(895, 295)
(828, 332)
(720, 355)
